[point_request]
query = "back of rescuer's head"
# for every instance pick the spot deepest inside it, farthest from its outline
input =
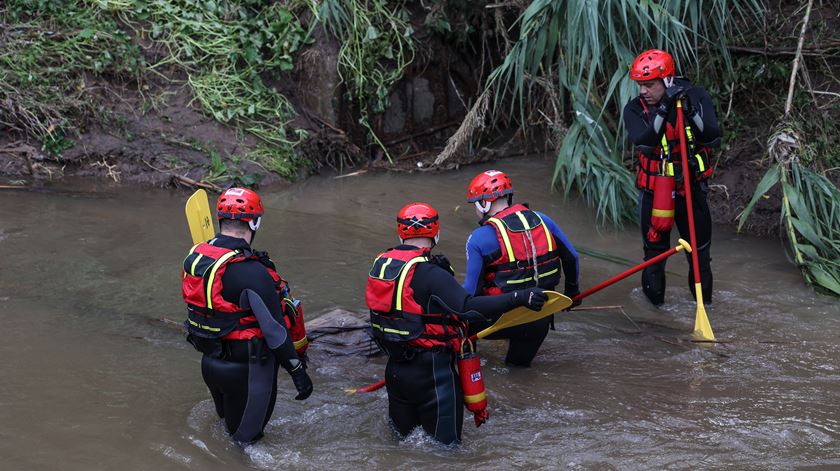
(418, 220)
(239, 211)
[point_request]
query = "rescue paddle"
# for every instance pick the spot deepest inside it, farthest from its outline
(702, 328)
(198, 217)
(522, 315)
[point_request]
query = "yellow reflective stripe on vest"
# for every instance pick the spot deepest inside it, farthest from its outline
(521, 280)
(501, 227)
(669, 167)
(190, 253)
(390, 331)
(524, 221)
(662, 213)
(547, 233)
(204, 327)
(382, 270)
(209, 293)
(700, 165)
(475, 398)
(195, 262)
(400, 283)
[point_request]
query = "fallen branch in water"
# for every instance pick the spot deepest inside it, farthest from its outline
(184, 180)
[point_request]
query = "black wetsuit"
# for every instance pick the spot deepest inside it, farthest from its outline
(243, 378)
(642, 132)
(423, 385)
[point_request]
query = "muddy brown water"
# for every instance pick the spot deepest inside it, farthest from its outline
(93, 380)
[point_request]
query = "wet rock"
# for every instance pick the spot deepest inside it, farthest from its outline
(395, 114)
(423, 101)
(341, 333)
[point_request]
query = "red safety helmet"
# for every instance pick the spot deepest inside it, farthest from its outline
(241, 204)
(417, 220)
(652, 64)
(488, 186)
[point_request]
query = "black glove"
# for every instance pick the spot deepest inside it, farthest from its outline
(303, 383)
(532, 298)
(672, 94)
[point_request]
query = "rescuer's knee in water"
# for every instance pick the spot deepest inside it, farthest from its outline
(704, 258)
(653, 279)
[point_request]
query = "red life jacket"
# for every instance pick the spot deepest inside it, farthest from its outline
(209, 315)
(529, 256)
(394, 314)
(667, 161)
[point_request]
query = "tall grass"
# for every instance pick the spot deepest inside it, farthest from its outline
(226, 48)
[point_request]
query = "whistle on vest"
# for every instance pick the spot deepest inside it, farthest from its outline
(472, 383)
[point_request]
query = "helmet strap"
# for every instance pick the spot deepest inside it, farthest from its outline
(668, 81)
(255, 225)
(437, 238)
(483, 206)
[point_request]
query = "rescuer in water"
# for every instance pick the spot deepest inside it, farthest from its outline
(515, 248)
(243, 319)
(650, 120)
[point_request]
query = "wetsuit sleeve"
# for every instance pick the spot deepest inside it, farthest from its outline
(640, 131)
(431, 280)
(475, 263)
(253, 275)
(701, 103)
(568, 257)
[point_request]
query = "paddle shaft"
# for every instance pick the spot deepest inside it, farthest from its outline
(627, 273)
(689, 206)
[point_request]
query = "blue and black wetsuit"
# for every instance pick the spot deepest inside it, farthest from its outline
(484, 250)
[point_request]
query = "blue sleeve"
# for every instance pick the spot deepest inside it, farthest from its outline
(481, 242)
(568, 256)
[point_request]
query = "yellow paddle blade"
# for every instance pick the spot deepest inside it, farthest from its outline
(702, 328)
(198, 217)
(522, 315)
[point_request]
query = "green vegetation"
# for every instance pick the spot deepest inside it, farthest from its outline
(51, 53)
(376, 47)
(226, 48)
(575, 54)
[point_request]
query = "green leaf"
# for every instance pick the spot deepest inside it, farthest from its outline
(770, 179)
(825, 279)
(372, 33)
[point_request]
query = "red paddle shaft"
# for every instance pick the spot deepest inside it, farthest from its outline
(629, 272)
(689, 207)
